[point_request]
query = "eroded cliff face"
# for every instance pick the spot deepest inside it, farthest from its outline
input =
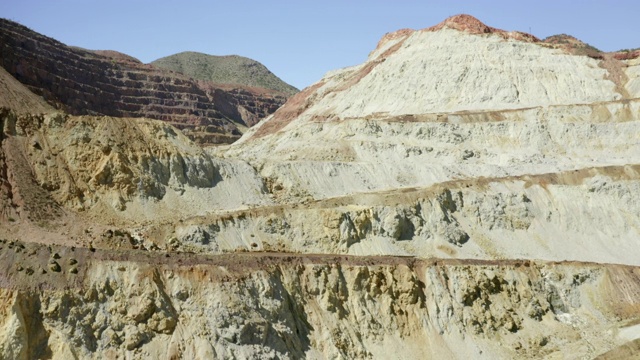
(83, 82)
(114, 166)
(356, 222)
(286, 306)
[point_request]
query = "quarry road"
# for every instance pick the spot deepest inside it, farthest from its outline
(16, 254)
(275, 258)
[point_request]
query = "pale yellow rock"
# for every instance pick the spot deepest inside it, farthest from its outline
(633, 84)
(13, 336)
(415, 309)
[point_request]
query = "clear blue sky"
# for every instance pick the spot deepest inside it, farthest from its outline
(301, 40)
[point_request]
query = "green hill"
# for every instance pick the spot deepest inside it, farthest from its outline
(230, 69)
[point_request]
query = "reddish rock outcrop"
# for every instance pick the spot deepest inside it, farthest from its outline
(109, 83)
(627, 54)
(470, 24)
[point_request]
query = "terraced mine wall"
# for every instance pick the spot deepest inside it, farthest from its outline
(459, 223)
(82, 82)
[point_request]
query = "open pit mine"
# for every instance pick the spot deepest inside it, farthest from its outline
(465, 193)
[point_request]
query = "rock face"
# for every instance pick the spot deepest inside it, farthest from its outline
(19, 98)
(284, 306)
(484, 137)
(447, 70)
(466, 193)
(108, 83)
(107, 164)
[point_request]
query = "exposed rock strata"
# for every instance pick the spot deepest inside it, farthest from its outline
(99, 83)
(358, 221)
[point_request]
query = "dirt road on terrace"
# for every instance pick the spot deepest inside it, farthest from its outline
(34, 266)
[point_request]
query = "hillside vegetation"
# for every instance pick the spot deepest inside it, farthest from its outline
(230, 69)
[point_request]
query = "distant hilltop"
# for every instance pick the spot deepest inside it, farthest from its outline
(230, 69)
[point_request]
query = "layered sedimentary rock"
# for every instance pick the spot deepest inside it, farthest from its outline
(79, 82)
(465, 193)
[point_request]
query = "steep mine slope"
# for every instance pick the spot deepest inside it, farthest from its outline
(493, 214)
(137, 169)
(445, 173)
(19, 98)
(459, 65)
(15, 100)
(107, 83)
(457, 140)
(230, 69)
